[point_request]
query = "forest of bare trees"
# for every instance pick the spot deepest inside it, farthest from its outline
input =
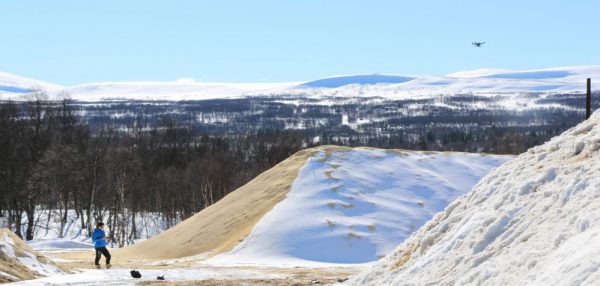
(49, 160)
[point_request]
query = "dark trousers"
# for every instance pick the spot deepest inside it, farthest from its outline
(102, 251)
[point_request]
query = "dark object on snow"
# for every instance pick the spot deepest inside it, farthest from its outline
(340, 280)
(135, 274)
(588, 99)
(160, 277)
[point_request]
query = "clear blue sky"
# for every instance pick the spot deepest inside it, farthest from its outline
(71, 42)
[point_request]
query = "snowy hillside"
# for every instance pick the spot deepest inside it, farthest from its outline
(13, 87)
(18, 261)
(482, 81)
(356, 79)
(533, 221)
(343, 206)
(175, 90)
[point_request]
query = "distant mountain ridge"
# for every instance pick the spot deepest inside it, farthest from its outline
(481, 81)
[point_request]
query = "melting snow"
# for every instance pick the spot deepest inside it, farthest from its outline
(532, 221)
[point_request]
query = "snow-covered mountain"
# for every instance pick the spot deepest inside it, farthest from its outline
(482, 81)
(532, 221)
(14, 86)
(355, 205)
(175, 90)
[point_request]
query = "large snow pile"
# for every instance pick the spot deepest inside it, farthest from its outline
(356, 205)
(533, 221)
(322, 206)
(18, 261)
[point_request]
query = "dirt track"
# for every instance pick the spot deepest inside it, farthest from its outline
(231, 276)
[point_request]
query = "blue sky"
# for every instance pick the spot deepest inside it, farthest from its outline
(71, 42)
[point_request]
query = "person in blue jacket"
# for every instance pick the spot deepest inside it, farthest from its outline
(100, 239)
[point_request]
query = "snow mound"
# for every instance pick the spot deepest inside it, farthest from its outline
(533, 221)
(350, 206)
(18, 261)
(322, 206)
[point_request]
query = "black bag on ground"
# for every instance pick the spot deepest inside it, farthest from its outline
(135, 274)
(160, 277)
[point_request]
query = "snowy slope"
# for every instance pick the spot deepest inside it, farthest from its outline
(482, 81)
(355, 205)
(533, 221)
(13, 87)
(356, 79)
(175, 90)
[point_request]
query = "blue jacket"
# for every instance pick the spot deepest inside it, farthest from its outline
(98, 238)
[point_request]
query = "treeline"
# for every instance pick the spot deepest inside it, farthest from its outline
(50, 160)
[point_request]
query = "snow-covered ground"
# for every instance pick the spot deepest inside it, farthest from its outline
(355, 206)
(47, 235)
(483, 81)
(533, 221)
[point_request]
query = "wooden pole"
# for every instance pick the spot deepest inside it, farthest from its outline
(588, 101)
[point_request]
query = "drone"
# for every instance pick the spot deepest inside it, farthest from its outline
(478, 44)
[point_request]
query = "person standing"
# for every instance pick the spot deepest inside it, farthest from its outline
(100, 240)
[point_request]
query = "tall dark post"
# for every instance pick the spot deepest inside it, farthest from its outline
(588, 101)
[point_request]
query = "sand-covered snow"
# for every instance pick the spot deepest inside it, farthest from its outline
(223, 225)
(323, 205)
(356, 205)
(18, 261)
(533, 221)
